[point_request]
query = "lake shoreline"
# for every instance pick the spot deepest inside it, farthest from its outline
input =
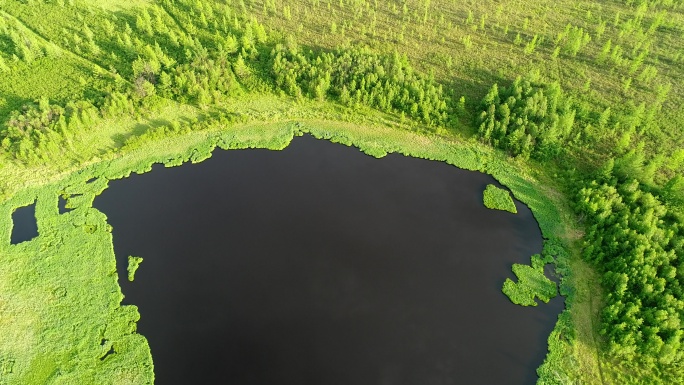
(196, 145)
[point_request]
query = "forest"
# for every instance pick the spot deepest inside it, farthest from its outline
(586, 96)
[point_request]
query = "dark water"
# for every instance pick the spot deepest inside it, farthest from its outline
(24, 226)
(319, 265)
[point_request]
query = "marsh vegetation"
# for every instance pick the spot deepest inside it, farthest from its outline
(580, 99)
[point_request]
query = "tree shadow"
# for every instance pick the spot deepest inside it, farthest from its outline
(10, 102)
(140, 129)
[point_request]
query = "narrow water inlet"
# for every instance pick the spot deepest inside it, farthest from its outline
(321, 265)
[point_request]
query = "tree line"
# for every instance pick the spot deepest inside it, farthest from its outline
(631, 204)
(637, 243)
(526, 119)
(202, 53)
(358, 76)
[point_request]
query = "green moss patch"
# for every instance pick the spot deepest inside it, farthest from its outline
(498, 199)
(531, 283)
(133, 265)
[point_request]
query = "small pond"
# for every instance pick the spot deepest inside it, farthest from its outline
(320, 265)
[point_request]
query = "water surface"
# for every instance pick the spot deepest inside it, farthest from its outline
(24, 225)
(319, 265)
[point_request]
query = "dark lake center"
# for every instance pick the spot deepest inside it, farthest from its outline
(320, 265)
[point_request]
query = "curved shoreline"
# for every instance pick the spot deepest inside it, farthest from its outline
(196, 145)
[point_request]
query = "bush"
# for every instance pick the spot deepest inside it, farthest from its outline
(526, 119)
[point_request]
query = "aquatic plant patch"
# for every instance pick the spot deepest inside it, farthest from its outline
(498, 199)
(133, 265)
(531, 283)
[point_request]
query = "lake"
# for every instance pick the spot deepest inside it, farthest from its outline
(321, 265)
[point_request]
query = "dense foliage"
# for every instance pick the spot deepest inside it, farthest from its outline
(42, 129)
(639, 247)
(531, 283)
(498, 199)
(526, 119)
(634, 226)
(357, 76)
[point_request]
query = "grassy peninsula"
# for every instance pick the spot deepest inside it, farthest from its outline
(572, 105)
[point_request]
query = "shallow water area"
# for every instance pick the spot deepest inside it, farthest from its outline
(24, 225)
(321, 265)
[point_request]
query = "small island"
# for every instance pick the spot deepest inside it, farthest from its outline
(531, 283)
(498, 199)
(133, 265)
